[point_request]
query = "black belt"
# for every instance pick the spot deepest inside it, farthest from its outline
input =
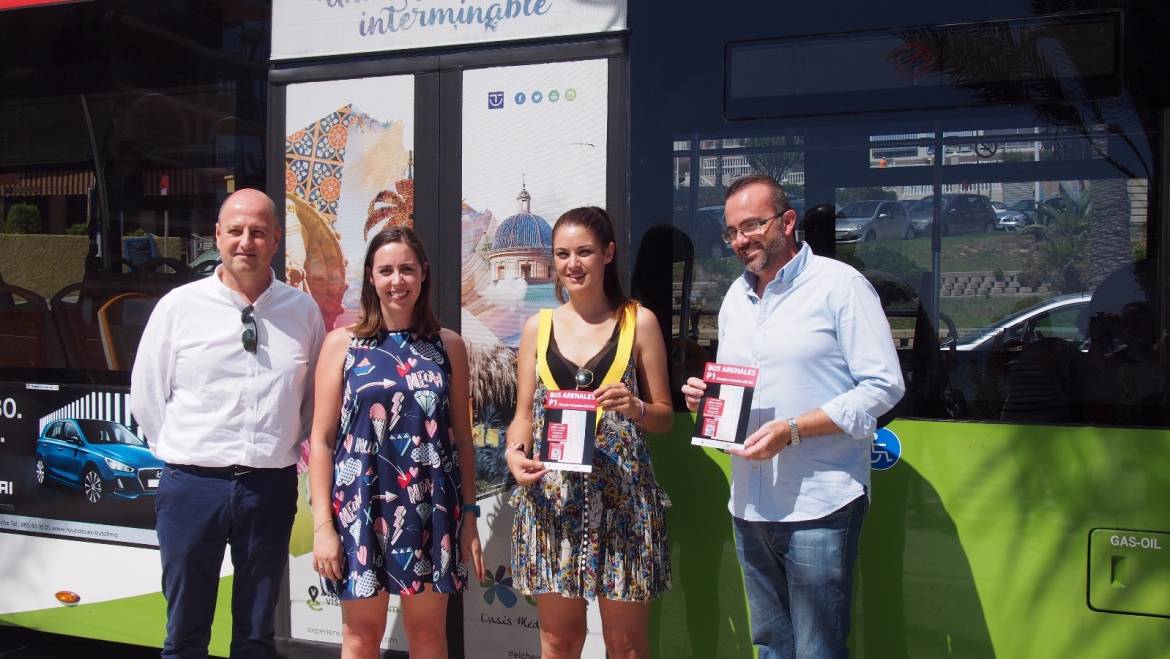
(228, 471)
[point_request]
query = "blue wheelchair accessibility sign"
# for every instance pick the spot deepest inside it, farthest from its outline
(886, 451)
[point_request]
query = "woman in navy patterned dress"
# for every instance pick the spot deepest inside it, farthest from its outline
(391, 468)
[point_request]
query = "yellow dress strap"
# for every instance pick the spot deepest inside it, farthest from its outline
(625, 345)
(542, 339)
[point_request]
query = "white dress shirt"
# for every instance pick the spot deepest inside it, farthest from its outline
(821, 340)
(203, 400)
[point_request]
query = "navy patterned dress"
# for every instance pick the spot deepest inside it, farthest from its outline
(396, 489)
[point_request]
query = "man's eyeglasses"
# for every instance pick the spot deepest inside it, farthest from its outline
(248, 318)
(583, 378)
(747, 227)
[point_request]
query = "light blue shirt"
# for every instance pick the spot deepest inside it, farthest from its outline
(821, 340)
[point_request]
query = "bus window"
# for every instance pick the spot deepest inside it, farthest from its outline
(110, 188)
(1012, 294)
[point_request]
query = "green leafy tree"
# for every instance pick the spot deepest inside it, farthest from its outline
(23, 218)
(775, 163)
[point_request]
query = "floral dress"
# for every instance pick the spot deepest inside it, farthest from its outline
(599, 534)
(396, 489)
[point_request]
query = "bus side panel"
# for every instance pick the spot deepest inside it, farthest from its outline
(705, 612)
(976, 543)
(118, 587)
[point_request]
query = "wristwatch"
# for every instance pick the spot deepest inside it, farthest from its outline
(793, 432)
(472, 508)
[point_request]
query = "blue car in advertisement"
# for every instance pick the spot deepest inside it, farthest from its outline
(101, 458)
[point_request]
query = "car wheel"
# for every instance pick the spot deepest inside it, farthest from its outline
(91, 485)
(870, 237)
(909, 233)
(40, 471)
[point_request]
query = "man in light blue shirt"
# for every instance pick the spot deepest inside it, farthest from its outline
(827, 369)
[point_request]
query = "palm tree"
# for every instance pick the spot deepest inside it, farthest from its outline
(1058, 257)
(1109, 246)
(392, 208)
(1044, 65)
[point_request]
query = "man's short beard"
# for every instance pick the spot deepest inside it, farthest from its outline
(766, 256)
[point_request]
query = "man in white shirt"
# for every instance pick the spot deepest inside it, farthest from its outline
(222, 388)
(816, 330)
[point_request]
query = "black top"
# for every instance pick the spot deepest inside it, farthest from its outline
(565, 371)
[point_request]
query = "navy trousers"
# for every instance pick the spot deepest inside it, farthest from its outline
(200, 513)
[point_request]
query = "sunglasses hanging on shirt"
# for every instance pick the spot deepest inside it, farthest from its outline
(248, 318)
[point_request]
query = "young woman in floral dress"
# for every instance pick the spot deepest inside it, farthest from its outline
(598, 535)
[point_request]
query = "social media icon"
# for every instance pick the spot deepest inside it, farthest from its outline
(519, 98)
(495, 100)
(570, 94)
(537, 97)
(554, 96)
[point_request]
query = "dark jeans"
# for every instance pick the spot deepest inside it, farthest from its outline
(799, 582)
(199, 513)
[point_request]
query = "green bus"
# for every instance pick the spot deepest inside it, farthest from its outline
(997, 171)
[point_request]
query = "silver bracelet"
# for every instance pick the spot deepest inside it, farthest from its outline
(641, 412)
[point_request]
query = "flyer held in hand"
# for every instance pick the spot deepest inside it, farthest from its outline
(570, 427)
(723, 412)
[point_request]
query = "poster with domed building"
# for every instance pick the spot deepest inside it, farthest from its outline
(534, 146)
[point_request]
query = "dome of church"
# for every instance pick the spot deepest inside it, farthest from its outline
(524, 230)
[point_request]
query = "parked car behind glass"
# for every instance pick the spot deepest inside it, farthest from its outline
(98, 457)
(872, 220)
(961, 213)
(1026, 212)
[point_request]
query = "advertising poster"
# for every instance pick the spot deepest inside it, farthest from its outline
(311, 28)
(78, 486)
(349, 173)
(534, 146)
(74, 465)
